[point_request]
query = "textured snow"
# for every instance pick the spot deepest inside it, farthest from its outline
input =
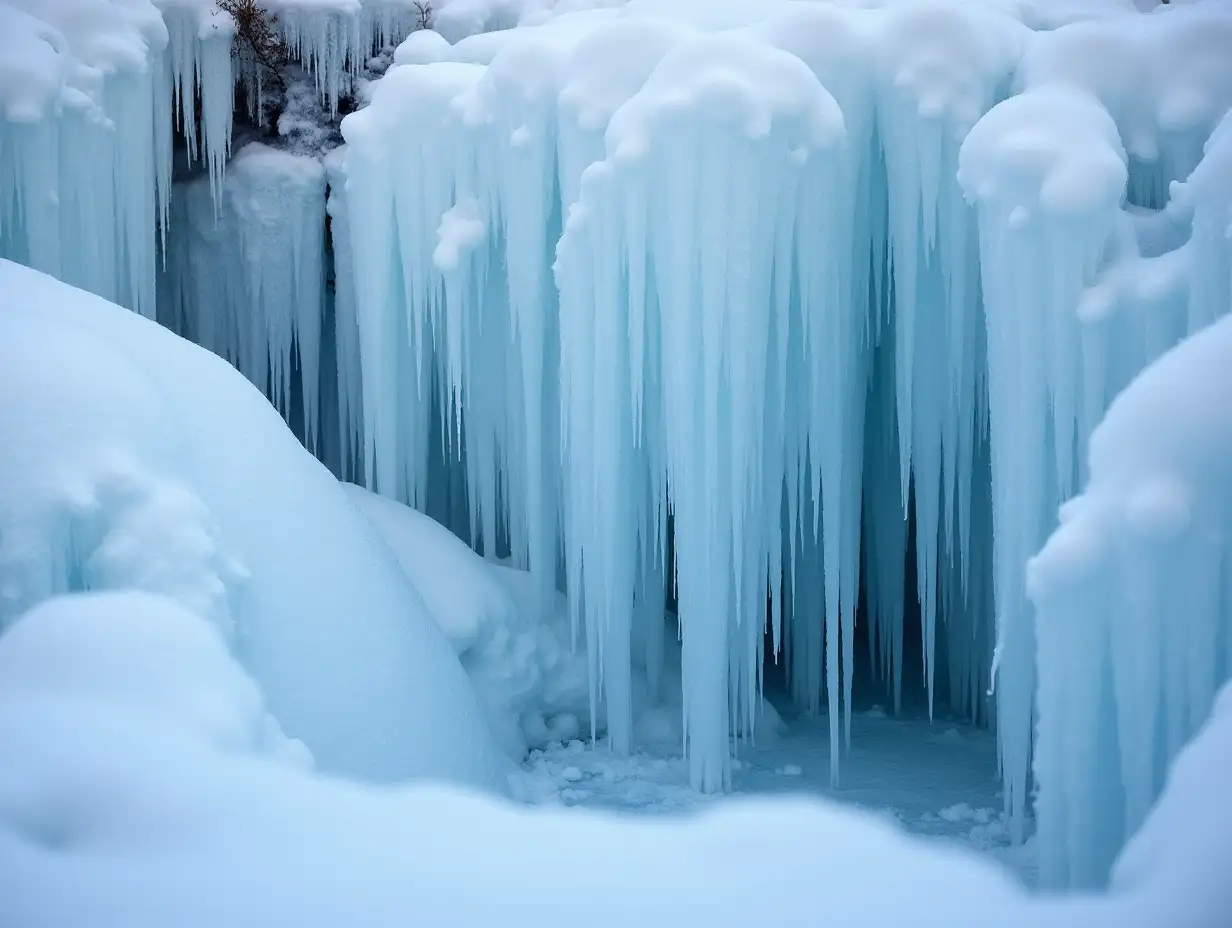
(117, 813)
(136, 460)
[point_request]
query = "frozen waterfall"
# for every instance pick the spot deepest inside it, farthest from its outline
(819, 270)
(773, 309)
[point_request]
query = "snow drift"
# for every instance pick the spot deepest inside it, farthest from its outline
(142, 799)
(134, 459)
(531, 678)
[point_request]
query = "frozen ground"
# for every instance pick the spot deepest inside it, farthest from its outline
(935, 779)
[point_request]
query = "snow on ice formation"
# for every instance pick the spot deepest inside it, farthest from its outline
(129, 463)
(128, 802)
(702, 300)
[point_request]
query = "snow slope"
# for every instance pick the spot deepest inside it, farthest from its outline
(134, 459)
(117, 817)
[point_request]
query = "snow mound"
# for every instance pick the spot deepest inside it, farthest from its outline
(532, 683)
(422, 47)
(135, 459)
(531, 687)
(144, 654)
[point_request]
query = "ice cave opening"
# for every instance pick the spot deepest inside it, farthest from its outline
(822, 397)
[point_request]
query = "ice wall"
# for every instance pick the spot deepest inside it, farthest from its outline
(923, 316)
(95, 92)
(774, 343)
(85, 162)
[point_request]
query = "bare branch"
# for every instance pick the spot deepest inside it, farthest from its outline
(424, 11)
(256, 30)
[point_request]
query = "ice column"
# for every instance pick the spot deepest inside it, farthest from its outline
(1046, 215)
(700, 190)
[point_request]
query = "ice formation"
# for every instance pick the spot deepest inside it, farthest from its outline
(127, 803)
(129, 464)
(922, 283)
(738, 304)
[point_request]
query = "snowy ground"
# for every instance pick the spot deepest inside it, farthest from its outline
(935, 779)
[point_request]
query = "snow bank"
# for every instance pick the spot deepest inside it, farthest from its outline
(531, 686)
(137, 460)
(120, 816)
(1134, 599)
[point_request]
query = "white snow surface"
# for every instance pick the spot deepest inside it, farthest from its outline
(120, 816)
(136, 460)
